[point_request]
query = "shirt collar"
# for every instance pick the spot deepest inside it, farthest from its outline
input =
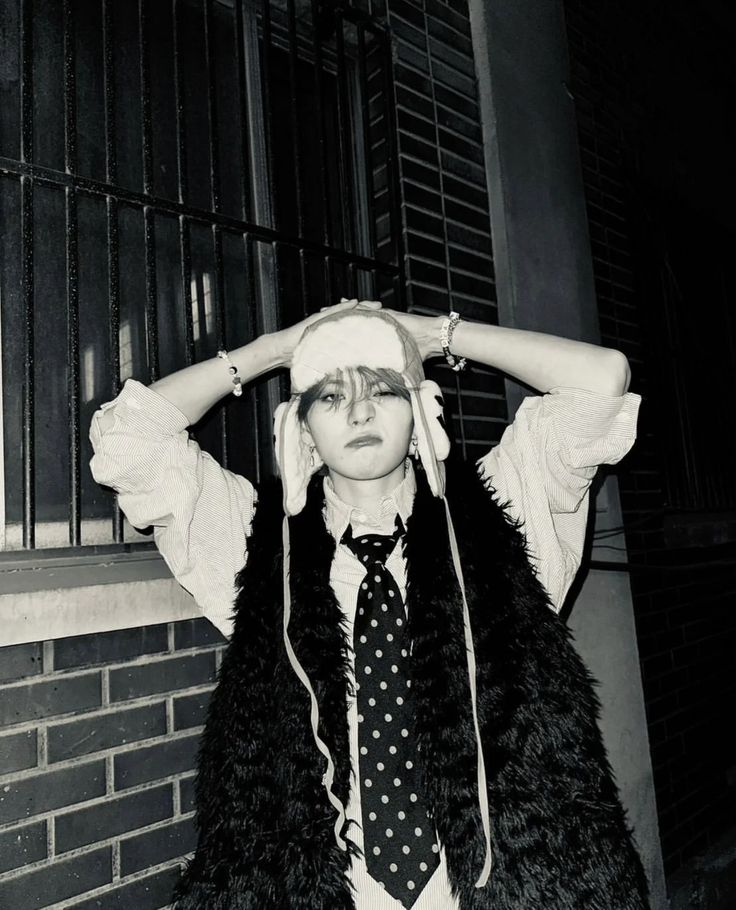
(339, 514)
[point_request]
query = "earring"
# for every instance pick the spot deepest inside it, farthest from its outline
(413, 446)
(311, 456)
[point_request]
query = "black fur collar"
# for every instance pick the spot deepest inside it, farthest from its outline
(559, 836)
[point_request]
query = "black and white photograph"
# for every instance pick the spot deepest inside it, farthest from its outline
(367, 487)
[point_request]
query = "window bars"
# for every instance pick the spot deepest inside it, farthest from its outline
(175, 177)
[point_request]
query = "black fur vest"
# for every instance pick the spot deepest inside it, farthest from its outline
(559, 835)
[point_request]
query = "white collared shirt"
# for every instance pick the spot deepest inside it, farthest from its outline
(201, 514)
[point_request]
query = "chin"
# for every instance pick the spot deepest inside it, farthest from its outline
(376, 472)
(371, 471)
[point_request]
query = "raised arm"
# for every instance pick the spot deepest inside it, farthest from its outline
(200, 512)
(538, 360)
(543, 361)
(548, 455)
(195, 389)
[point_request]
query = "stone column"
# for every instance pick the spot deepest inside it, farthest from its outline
(545, 283)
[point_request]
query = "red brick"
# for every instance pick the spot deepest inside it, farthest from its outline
(152, 848)
(193, 633)
(149, 893)
(106, 647)
(59, 695)
(62, 879)
(407, 12)
(449, 54)
(187, 793)
(18, 661)
(451, 78)
(445, 13)
(51, 790)
(174, 756)
(446, 97)
(114, 816)
(18, 751)
(22, 845)
(104, 731)
(180, 672)
(191, 710)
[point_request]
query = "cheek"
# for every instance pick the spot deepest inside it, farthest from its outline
(404, 424)
(408, 417)
(321, 431)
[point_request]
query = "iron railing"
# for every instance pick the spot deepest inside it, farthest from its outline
(289, 226)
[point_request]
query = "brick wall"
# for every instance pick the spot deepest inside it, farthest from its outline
(628, 62)
(98, 748)
(447, 233)
(98, 739)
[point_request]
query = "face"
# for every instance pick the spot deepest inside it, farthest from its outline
(362, 436)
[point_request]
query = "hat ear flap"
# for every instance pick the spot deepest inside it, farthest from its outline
(433, 444)
(295, 460)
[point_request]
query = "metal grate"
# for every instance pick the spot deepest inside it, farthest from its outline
(174, 178)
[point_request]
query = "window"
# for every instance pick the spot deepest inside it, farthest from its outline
(685, 276)
(174, 178)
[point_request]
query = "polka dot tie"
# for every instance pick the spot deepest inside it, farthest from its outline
(401, 849)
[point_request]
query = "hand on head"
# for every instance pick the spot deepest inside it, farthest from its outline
(423, 329)
(291, 335)
(356, 304)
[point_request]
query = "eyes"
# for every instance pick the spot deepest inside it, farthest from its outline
(334, 397)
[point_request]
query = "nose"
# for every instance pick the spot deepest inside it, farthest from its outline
(361, 411)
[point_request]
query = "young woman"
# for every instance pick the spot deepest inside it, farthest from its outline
(400, 717)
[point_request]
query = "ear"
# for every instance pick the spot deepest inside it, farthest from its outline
(306, 435)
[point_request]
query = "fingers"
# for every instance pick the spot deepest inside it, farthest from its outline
(366, 304)
(346, 304)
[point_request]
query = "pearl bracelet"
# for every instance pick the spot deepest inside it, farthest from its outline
(446, 330)
(233, 371)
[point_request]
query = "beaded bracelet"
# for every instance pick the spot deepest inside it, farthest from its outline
(446, 330)
(233, 371)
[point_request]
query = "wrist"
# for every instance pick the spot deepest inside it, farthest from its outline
(263, 354)
(432, 339)
(448, 341)
(277, 349)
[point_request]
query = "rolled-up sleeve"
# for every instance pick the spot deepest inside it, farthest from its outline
(201, 513)
(543, 468)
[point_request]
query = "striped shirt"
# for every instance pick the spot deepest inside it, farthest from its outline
(201, 515)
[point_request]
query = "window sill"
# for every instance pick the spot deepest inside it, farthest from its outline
(23, 571)
(48, 594)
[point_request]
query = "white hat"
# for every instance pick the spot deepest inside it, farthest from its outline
(351, 338)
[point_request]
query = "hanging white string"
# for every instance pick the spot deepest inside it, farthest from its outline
(470, 652)
(329, 775)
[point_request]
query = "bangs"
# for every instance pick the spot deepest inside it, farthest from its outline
(355, 383)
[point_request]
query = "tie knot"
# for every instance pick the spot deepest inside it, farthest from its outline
(372, 548)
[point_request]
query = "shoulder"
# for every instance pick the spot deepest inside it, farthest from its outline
(470, 492)
(269, 515)
(493, 547)
(485, 526)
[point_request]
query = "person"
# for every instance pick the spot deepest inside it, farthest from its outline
(400, 718)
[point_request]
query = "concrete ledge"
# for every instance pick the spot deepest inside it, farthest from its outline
(42, 615)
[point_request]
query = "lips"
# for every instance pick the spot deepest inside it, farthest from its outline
(361, 441)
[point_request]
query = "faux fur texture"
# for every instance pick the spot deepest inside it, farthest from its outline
(560, 838)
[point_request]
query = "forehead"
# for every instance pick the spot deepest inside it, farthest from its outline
(359, 376)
